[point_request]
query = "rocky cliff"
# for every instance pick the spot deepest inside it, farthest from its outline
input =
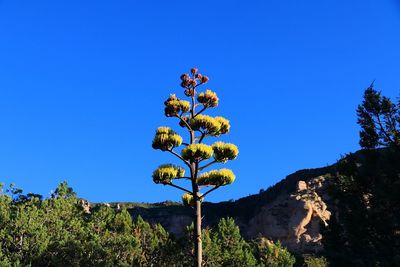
(291, 211)
(295, 218)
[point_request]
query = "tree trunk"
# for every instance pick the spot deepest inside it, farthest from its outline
(198, 261)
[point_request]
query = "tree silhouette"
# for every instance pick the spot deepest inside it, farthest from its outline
(195, 152)
(379, 119)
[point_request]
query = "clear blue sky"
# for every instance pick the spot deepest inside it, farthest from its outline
(82, 85)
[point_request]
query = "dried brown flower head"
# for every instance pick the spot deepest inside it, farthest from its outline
(190, 92)
(184, 77)
(204, 79)
(193, 71)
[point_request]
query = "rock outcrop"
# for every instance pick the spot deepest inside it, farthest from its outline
(291, 211)
(294, 219)
(85, 205)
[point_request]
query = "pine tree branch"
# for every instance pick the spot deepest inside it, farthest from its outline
(383, 129)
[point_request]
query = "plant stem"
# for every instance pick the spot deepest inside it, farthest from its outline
(209, 191)
(198, 239)
(181, 188)
(179, 156)
(207, 165)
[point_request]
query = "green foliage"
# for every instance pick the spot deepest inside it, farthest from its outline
(111, 241)
(23, 232)
(272, 254)
(365, 229)
(233, 250)
(224, 246)
(157, 249)
(58, 232)
(314, 261)
(379, 119)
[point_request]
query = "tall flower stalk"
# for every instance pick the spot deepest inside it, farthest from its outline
(195, 155)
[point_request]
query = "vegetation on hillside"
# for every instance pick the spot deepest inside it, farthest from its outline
(57, 231)
(363, 231)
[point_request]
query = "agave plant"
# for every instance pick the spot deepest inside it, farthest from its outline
(194, 154)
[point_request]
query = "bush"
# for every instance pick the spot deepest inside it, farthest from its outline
(272, 254)
(314, 261)
(58, 231)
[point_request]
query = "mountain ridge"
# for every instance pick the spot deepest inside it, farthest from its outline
(247, 211)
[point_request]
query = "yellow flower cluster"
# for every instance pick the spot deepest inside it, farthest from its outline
(211, 126)
(187, 199)
(166, 139)
(208, 98)
(224, 151)
(216, 177)
(173, 106)
(165, 173)
(224, 125)
(205, 123)
(197, 152)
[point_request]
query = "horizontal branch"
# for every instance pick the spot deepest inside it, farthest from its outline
(207, 165)
(179, 156)
(181, 188)
(209, 191)
(184, 177)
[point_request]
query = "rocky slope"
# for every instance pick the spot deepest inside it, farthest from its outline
(291, 211)
(294, 219)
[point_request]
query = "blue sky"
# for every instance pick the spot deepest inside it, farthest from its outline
(82, 85)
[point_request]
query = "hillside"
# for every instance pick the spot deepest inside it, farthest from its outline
(249, 212)
(335, 210)
(348, 213)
